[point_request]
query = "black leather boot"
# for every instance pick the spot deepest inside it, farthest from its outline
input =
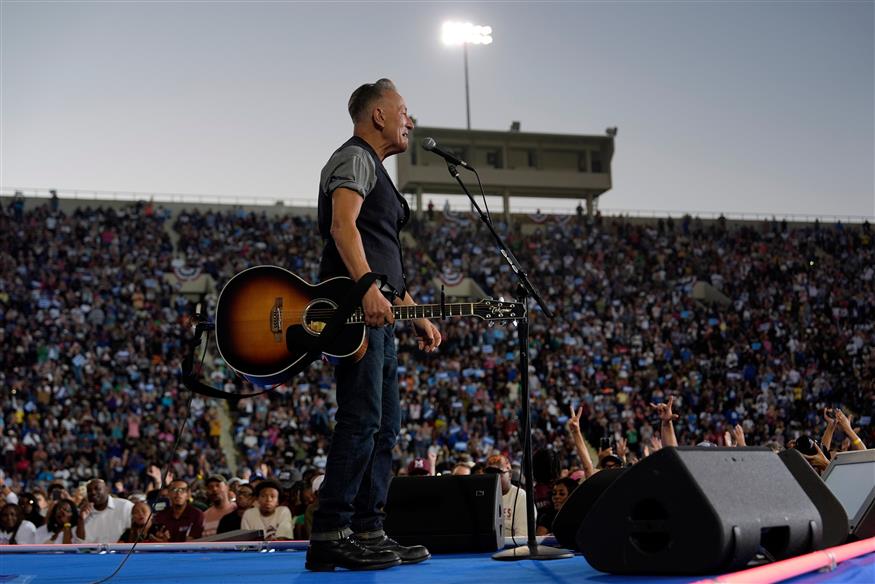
(349, 553)
(409, 554)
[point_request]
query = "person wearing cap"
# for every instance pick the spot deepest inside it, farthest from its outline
(221, 504)
(513, 498)
(268, 515)
(419, 467)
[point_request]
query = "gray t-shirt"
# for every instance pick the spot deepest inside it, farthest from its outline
(352, 168)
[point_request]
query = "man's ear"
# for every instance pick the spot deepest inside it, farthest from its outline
(379, 117)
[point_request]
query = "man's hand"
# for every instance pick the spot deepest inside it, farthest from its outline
(830, 419)
(85, 509)
(428, 335)
(817, 461)
(843, 421)
(378, 310)
(664, 411)
(574, 420)
(738, 434)
(622, 449)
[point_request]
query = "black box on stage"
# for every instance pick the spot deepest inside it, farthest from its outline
(851, 479)
(699, 510)
(446, 514)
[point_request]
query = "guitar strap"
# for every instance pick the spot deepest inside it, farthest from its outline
(190, 380)
(348, 305)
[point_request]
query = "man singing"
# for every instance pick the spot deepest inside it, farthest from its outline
(360, 216)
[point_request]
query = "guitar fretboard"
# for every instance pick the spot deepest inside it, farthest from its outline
(420, 311)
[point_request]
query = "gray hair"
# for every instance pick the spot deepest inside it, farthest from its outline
(363, 98)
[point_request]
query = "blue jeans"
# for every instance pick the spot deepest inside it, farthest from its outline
(368, 421)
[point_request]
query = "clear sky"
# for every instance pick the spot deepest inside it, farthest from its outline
(763, 107)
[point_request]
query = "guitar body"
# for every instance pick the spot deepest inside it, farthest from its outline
(264, 310)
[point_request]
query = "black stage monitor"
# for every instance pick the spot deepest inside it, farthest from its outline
(851, 478)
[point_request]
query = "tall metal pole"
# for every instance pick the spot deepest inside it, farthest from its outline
(467, 94)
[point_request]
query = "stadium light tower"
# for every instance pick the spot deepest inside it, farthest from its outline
(465, 33)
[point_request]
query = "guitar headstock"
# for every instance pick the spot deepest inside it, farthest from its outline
(489, 309)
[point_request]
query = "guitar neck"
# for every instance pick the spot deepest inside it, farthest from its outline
(421, 311)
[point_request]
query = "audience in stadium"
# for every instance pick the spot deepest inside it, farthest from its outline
(667, 333)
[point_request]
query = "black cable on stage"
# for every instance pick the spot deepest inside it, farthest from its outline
(161, 478)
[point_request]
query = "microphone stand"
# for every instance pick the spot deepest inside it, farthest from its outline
(525, 290)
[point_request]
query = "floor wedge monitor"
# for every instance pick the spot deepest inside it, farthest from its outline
(579, 503)
(694, 510)
(446, 514)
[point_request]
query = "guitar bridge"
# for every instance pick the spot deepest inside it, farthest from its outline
(276, 320)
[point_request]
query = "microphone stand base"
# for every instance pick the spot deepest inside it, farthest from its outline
(532, 552)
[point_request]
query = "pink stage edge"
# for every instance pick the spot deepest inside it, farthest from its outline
(797, 566)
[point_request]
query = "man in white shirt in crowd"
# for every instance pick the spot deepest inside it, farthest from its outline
(105, 517)
(513, 498)
(268, 515)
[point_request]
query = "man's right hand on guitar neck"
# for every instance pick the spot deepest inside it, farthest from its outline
(378, 310)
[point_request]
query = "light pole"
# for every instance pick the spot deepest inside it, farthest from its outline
(465, 33)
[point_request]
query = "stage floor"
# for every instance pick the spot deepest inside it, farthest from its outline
(288, 566)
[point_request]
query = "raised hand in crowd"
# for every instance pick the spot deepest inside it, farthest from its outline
(818, 461)
(653, 445)
(826, 439)
(432, 460)
(738, 432)
(622, 449)
(666, 418)
(573, 425)
(844, 422)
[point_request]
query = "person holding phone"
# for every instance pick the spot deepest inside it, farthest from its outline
(62, 525)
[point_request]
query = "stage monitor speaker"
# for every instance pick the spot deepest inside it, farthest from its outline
(579, 502)
(694, 510)
(851, 478)
(832, 515)
(446, 514)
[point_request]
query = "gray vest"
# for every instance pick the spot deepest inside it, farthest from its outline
(384, 212)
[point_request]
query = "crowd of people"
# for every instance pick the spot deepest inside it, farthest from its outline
(97, 334)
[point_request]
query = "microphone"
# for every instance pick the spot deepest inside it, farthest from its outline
(430, 145)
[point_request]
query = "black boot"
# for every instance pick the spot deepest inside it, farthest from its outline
(409, 554)
(349, 553)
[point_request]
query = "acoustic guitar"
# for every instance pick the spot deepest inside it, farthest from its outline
(268, 317)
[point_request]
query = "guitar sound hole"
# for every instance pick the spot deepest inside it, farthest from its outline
(317, 314)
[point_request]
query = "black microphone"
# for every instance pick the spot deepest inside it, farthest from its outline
(430, 145)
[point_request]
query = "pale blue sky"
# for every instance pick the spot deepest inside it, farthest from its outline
(763, 107)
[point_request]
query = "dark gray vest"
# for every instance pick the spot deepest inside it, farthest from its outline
(384, 212)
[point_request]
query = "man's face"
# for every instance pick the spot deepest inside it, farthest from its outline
(503, 470)
(217, 492)
(397, 124)
(245, 498)
(268, 500)
(178, 493)
(97, 492)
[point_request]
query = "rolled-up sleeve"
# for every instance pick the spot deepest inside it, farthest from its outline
(351, 168)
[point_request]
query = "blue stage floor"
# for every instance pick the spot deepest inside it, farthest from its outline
(288, 566)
